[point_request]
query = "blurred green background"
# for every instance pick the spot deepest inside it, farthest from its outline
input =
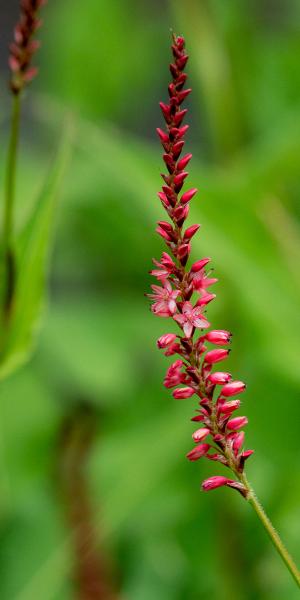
(97, 499)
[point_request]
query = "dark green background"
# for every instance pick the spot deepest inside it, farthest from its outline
(107, 63)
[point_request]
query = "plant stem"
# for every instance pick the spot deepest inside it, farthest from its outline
(271, 531)
(9, 200)
(11, 172)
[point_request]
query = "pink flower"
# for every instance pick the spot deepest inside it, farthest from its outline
(165, 299)
(201, 281)
(193, 371)
(190, 318)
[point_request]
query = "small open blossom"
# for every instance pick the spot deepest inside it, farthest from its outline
(190, 318)
(164, 297)
(182, 295)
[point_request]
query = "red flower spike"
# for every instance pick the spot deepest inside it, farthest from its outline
(174, 299)
(24, 47)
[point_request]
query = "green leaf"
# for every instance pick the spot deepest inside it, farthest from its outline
(32, 258)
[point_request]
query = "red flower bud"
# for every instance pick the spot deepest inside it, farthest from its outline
(228, 407)
(177, 149)
(162, 135)
(214, 356)
(198, 452)
(182, 163)
(190, 231)
(165, 340)
(181, 393)
(187, 196)
(214, 482)
(233, 388)
(219, 378)
(179, 116)
(200, 434)
(237, 423)
(218, 336)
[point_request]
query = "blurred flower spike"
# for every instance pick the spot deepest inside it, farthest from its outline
(183, 295)
(24, 47)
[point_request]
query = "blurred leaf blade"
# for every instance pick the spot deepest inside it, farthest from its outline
(32, 250)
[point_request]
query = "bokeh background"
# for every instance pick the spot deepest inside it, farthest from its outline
(97, 499)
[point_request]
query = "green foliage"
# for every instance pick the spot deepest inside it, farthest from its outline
(97, 347)
(32, 248)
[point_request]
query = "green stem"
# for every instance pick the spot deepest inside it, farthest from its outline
(9, 201)
(272, 533)
(11, 173)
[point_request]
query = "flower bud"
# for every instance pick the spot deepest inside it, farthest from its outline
(162, 135)
(163, 234)
(178, 117)
(205, 299)
(233, 388)
(190, 231)
(198, 452)
(214, 482)
(165, 340)
(200, 434)
(218, 378)
(187, 196)
(182, 393)
(238, 441)
(214, 356)
(182, 163)
(228, 407)
(200, 264)
(177, 149)
(218, 336)
(237, 423)
(165, 109)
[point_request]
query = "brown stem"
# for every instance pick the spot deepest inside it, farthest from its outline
(90, 571)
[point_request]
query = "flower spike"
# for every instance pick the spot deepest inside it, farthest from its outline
(182, 296)
(24, 47)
